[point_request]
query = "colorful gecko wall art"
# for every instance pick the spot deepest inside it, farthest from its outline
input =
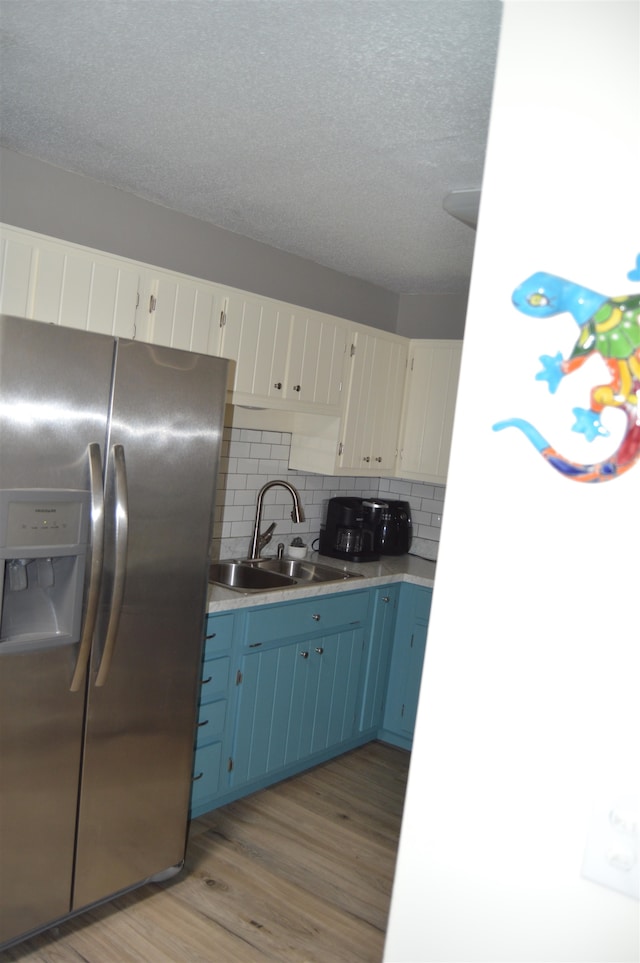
(609, 327)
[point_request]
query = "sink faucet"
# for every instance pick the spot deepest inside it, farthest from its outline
(258, 541)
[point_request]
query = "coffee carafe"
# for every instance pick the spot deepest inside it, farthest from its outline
(349, 530)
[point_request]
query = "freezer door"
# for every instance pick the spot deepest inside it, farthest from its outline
(54, 396)
(162, 462)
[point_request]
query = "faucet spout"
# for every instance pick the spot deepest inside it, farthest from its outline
(297, 515)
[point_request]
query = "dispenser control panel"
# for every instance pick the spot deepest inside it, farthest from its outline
(42, 520)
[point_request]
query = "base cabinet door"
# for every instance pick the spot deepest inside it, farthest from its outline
(405, 671)
(378, 655)
(295, 700)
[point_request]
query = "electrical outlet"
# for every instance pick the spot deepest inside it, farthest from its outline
(612, 853)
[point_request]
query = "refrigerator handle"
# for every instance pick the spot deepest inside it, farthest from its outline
(121, 526)
(95, 571)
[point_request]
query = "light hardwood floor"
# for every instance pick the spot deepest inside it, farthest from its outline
(299, 872)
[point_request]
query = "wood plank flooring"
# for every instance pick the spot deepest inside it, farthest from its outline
(298, 872)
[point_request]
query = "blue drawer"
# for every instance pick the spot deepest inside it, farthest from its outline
(324, 613)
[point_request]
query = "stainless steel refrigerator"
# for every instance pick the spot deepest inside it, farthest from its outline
(109, 452)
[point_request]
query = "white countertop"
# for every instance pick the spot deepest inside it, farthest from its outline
(401, 568)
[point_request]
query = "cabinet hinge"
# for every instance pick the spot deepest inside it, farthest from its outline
(229, 764)
(238, 677)
(152, 303)
(353, 350)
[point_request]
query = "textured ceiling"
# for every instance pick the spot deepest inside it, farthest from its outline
(332, 129)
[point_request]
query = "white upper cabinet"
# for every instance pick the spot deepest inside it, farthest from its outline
(180, 312)
(61, 283)
(428, 410)
(254, 332)
(364, 439)
(316, 360)
(285, 356)
(371, 421)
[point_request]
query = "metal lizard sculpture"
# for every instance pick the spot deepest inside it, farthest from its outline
(609, 327)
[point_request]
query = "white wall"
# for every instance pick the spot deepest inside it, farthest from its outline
(527, 731)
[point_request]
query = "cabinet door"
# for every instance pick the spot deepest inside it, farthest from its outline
(374, 401)
(59, 283)
(429, 406)
(407, 658)
(255, 334)
(315, 360)
(329, 712)
(295, 700)
(378, 655)
(181, 312)
(270, 684)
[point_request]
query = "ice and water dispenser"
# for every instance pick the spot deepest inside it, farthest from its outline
(43, 551)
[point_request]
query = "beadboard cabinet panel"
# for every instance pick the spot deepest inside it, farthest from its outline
(316, 360)
(182, 313)
(59, 283)
(428, 412)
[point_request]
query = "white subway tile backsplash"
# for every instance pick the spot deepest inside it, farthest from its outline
(250, 458)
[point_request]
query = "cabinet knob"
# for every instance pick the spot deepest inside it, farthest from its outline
(385, 598)
(379, 458)
(297, 387)
(278, 385)
(316, 618)
(319, 650)
(366, 458)
(304, 655)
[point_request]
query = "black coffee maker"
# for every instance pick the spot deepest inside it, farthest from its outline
(350, 529)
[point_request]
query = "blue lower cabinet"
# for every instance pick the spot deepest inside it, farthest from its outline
(209, 770)
(378, 654)
(295, 701)
(405, 670)
(291, 684)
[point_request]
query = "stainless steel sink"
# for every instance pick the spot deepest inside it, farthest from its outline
(245, 578)
(301, 570)
(268, 574)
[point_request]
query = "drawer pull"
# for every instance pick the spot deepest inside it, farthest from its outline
(212, 636)
(297, 387)
(199, 776)
(278, 385)
(201, 724)
(319, 650)
(316, 618)
(305, 655)
(207, 680)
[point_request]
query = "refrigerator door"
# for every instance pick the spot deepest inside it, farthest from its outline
(162, 460)
(54, 397)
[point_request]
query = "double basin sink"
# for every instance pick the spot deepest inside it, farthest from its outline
(267, 574)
